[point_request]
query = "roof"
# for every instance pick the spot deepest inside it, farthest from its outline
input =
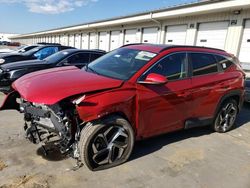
(158, 48)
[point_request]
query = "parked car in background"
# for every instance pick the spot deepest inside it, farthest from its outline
(14, 44)
(21, 49)
(132, 93)
(71, 57)
(40, 52)
(4, 43)
(247, 87)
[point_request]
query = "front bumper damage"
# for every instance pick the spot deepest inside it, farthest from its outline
(57, 124)
(45, 124)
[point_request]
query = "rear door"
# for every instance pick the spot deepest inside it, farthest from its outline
(162, 108)
(208, 84)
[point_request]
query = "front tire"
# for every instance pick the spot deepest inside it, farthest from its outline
(107, 143)
(226, 116)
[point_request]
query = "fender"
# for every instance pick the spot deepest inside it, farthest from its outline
(10, 102)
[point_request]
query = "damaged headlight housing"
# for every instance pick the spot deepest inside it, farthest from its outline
(1, 71)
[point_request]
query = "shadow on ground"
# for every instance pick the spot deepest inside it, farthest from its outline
(52, 153)
(154, 144)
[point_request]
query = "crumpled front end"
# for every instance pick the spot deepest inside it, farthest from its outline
(56, 123)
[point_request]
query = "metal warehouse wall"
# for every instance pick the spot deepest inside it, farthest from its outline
(189, 30)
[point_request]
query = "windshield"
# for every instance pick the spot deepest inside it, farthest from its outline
(121, 64)
(56, 57)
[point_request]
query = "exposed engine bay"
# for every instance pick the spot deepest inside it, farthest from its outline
(57, 123)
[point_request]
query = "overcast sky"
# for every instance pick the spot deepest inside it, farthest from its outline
(25, 16)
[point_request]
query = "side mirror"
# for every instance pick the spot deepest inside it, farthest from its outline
(154, 79)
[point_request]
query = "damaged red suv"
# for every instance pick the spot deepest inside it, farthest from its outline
(135, 92)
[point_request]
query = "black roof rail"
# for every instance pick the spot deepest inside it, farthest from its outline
(189, 46)
(167, 46)
(47, 43)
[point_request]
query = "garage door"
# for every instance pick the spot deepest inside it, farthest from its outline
(62, 39)
(103, 41)
(114, 40)
(150, 35)
(212, 34)
(92, 41)
(53, 39)
(130, 36)
(245, 47)
(78, 41)
(71, 40)
(58, 39)
(85, 41)
(176, 34)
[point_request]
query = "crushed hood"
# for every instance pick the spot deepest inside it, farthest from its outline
(53, 85)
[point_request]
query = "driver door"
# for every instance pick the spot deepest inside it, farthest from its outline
(164, 108)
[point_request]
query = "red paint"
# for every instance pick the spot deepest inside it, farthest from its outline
(151, 109)
(51, 86)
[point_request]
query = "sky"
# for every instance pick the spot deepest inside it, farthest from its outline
(27, 16)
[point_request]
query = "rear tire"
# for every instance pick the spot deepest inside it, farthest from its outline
(226, 116)
(107, 143)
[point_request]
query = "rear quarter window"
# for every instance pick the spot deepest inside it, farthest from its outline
(224, 62)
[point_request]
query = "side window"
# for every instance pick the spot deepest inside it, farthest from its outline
(224, 62)
(94, 56)
(172, 66)
(203, 63)
(45, 52)
(80, 58)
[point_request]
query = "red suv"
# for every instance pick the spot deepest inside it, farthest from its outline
(134, 92)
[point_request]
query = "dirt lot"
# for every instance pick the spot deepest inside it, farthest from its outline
(193, 158)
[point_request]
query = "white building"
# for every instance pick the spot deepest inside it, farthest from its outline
(6, 36)
(223, 24)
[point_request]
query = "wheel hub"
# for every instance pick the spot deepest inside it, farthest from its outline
(109, 146)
